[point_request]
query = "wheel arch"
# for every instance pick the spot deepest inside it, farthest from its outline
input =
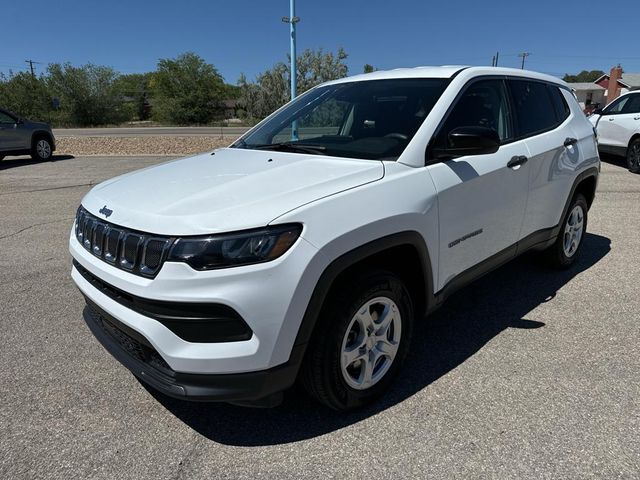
(403, 253)
(587, 187)
(37, 134)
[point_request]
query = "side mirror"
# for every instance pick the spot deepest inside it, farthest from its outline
(463, 141)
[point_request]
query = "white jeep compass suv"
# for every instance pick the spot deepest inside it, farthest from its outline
(308, 248)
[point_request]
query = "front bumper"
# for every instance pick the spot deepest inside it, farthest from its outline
(271, 298)
(138, 355)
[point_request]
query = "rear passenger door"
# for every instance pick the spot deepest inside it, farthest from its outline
(542, 118)
(481, 200)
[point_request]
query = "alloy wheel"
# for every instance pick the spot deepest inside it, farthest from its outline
(370, 343)
(43, 148)
(573, 231)
(634, 156)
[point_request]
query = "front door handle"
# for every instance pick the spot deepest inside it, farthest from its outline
(611, 119)
(569, 141)
(517, 161)
(636, 118)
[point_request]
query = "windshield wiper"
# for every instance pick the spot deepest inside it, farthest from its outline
(289, 146)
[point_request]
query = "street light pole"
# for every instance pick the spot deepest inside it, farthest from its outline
(292, 20)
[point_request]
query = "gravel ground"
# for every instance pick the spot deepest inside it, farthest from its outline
(147, 145)
(525, 374)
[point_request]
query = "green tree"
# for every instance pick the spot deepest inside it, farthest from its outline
(584, 76)
(186, 90)
(26, 95)
(368, 68)
(272, 88)
(87, 95)
(134, 90)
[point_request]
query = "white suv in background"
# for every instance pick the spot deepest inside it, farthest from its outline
(308, 248)
(618, 128)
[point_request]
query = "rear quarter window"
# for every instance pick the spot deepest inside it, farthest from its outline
(533, 107)
(559, 103)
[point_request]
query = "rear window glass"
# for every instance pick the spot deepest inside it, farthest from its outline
(559, 103)
(533, 107)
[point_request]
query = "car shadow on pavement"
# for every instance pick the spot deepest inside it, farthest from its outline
(617, 160)
(23, 162)
(464, 324)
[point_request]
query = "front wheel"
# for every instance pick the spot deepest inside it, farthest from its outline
(41, 149)
(633, 156)
(362, 337)
(566, 248)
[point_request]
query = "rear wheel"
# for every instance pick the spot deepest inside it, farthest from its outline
(633, 156)
(566, 248)
(361, 340)
(41, 149)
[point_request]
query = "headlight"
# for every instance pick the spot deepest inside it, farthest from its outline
(242, 248)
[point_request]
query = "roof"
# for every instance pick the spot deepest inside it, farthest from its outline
(585, 86)
(417, 72)
(631, 79)
(445, 71)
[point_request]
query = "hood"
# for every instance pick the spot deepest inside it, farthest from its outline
(231, 189)
(42, 125)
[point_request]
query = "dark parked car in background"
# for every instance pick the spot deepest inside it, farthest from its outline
(19, 136)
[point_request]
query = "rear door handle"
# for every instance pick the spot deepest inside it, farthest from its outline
(517, 161)
(570, 141)
(636, 118)
(611, 119)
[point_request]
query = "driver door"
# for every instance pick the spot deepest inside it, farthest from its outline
(481, 200)
(619, 121)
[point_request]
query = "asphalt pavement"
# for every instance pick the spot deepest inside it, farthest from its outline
(527, 373)
(150, 132)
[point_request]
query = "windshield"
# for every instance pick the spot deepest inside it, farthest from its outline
(373, 119)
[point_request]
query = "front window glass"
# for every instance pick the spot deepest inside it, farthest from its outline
(374, 119)
(483, 104)
(617, 106)
(4, 118)
(632, 105)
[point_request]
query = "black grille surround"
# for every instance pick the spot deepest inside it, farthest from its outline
(193, 322)
(135, 252)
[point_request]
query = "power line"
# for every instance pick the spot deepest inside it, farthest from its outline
(31, 62)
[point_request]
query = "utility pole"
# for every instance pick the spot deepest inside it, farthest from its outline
(292, 20)
(523, 55)
(497, 56)
(31, 62)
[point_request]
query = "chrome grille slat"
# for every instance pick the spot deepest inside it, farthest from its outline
(136, 252)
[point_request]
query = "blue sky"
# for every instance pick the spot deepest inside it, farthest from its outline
(248, 35)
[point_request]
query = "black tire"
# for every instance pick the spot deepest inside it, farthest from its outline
(557, 255)
(633, 156)
(322, 374)
(41, 148)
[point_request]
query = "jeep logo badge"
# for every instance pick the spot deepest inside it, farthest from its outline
(105, 211)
